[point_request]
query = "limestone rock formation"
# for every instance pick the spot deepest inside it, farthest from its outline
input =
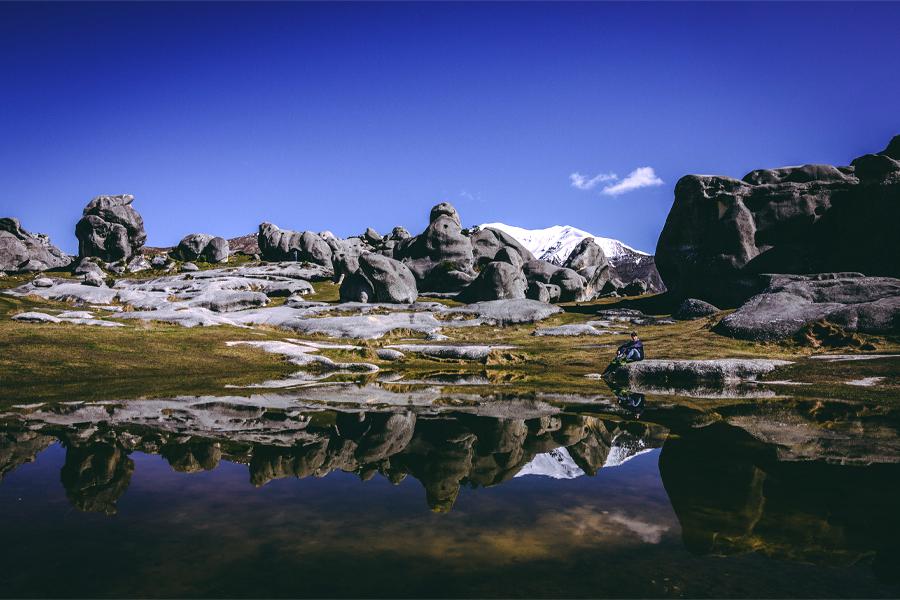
(110, 228)
(196, 246)
(487, 242)
(722, 233)
(277, 244)
(21, 251)
(792, 302)
(441, 257)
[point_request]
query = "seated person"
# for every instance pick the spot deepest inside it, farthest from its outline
(631, 351)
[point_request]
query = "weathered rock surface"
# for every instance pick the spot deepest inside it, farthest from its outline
(791, 302)
(21, 251)
(441, 257)
(110, 229)
(693, 309)
(487, 242)
(277, 244)
(390, 279)
(694, 371)
(722, 233)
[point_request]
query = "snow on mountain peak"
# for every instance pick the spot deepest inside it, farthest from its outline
(555, 243)
(557, 464)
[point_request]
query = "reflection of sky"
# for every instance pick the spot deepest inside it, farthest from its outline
(213, 533)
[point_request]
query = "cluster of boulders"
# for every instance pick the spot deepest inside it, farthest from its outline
(445, 259)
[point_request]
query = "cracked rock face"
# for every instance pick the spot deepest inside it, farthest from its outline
(110, 229)
(21, 251)
(722, 233)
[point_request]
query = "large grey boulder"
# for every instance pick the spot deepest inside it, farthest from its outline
(722, 233)
(497, 281)
(345, 256)
(110, 228)
(379, 279)
(585, 255)
(441, 257)
(487, 242)
(196, 246)
(791, 302)
(278, 244)
(21, 251)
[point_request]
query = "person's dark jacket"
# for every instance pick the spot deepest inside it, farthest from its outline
(635, 345)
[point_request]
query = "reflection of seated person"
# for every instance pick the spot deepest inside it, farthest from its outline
(633, 402)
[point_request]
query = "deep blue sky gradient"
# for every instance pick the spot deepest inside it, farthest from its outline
(342, 116)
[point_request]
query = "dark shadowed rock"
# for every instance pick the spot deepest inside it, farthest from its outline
(571, 284)
(635, 288)
(277, 244)
(543, 292)
(497, 281)
(372, 237)
(694, 309)
(792, 302)
(110, 228)
(22, 251)
(723, 233)
(217, 250)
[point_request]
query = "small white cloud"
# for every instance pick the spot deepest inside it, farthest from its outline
(471, 197)
(637, 179)
(583, 182)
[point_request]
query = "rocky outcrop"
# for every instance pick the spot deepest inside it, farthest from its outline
(791, 302)
(110, 228)
(379, 279)
(722, 233)
(277, 244)
(197, 246)
(21, 251)
(693, 309)
(441, 257)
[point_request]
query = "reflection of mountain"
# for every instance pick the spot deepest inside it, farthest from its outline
(20, 447)
(556, 464)
(442, 451)
(733, 494)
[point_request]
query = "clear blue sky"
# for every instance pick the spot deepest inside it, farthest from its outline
(342, 116)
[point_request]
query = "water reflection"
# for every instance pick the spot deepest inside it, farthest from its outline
(524, 496)
(444, 453)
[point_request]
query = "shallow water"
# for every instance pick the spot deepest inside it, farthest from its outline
(548, 499)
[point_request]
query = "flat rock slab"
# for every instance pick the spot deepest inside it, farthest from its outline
(693, 371)
(509, 312)
(72, 317)
(571, 330)
(449, 352)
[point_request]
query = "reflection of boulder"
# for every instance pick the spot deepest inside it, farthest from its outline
(20, 447)
(95, 476)
(732, 495)
(193, 457)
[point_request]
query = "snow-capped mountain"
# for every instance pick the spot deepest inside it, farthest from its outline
(557, 464)
(555, 243)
